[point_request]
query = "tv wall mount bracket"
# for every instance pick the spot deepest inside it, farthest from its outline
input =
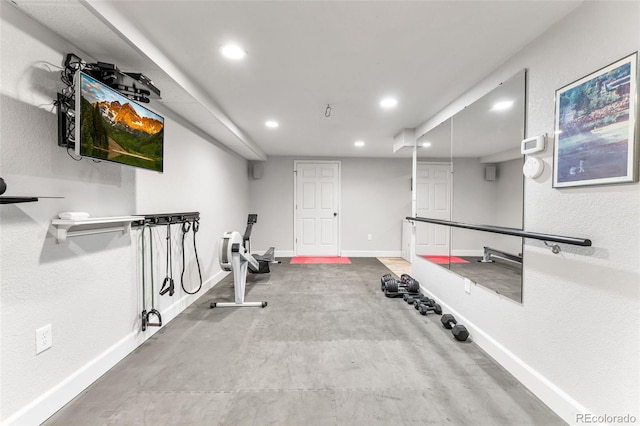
(132, 85)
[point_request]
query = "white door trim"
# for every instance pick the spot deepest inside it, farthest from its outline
(295, 199)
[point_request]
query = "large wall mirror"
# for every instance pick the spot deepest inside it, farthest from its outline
(469, 169)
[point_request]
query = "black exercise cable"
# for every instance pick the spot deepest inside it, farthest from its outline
(167, 284)
(153, 310)
(143, 316)
(185, 229)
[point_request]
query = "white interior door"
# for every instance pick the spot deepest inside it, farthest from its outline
(316, 208)
(433, 199)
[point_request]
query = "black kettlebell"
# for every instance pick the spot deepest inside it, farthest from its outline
(3, 186)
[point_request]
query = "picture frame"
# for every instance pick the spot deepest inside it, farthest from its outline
(596, 127)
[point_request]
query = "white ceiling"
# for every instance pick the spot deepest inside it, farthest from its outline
(303, 55)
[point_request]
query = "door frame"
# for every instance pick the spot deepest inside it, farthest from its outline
(295, 200)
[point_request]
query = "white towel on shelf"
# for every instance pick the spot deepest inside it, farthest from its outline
(73, 215)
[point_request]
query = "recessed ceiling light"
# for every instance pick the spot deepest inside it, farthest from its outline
(426, 144)
(359, 144)
(233, 51)
(271, 123)
(388, 103)
(502, 106)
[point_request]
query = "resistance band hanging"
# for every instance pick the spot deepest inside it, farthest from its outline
(185, 230)
(143, 316)
(153, 311)
(167, 284)
(146, 316)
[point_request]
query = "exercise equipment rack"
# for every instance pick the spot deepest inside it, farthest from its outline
(166, 218)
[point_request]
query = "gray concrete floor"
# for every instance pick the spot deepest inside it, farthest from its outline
(329, 349)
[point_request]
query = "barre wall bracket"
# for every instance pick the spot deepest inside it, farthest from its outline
(554, 247)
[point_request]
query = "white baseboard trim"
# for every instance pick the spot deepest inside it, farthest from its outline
(347, 253)
(277, 253)
(44, 406)
(554, 397)
(283, 253)
(372, 253)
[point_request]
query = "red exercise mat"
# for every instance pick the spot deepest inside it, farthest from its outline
(444, 260)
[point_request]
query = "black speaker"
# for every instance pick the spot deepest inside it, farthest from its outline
(257, 170)
(490, 173)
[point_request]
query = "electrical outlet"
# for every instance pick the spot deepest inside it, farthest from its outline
(369, 237)
(467, 285)
(44, 338)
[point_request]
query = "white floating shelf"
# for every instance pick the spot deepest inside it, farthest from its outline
(63, 226)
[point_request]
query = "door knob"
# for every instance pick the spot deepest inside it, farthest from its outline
(335, 214)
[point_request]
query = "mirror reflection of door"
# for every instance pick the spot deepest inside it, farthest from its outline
(433, 199)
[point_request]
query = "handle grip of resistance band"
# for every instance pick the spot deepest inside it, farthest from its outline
(144, 319)
(157, 314)
(167, 286)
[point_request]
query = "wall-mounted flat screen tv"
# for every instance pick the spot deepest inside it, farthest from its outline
(111, 127)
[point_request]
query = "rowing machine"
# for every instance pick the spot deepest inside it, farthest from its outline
(235, 257)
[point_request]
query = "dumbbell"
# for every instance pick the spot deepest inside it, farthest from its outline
(459, 331)
(425, 308)
(388, 283)
(391, 285)
(417, 301)
(408, 296)
(413, 286)
(409, 283)
(383, 281)
(406, 284)
(411, 298)
(405, 277)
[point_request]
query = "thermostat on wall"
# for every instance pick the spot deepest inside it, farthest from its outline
(532, 168)
(534, 144)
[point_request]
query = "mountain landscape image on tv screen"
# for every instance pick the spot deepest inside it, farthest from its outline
(115, 128)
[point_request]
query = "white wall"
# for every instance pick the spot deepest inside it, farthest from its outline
(473, 201)
(509, 209)
(574, 341)
(271, 198)
(87, 287)
(478, 201)
(375, 197)
(509, 192)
